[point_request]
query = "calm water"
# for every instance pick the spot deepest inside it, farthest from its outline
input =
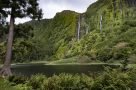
(49, 70)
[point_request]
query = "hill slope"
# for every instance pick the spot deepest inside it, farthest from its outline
(53, 36)
(106, 32)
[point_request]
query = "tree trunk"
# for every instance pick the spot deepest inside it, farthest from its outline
(6, 70)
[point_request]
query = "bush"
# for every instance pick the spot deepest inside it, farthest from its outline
(121, 54)
(111, 79)
(17, 79)
(104, 55)
(5, 85)
(131, 23)
(132, 75)
(61, 82)
(36, 81)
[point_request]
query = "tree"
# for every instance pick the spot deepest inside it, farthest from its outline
(16, 9)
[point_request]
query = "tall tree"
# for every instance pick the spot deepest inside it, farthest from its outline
(16, 9)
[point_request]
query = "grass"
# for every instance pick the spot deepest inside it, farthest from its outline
(71, 61)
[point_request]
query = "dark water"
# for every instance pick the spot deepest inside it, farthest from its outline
(49, 70)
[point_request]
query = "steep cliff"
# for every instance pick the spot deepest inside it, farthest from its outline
(112, 35)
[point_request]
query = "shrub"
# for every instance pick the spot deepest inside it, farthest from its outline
(104, 55)
(59, 82)
(132, 74)
(23, 87)
(17, 79)
(36, 81)
(5, 85)
(112, 80)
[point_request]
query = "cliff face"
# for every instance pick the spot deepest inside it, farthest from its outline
(112, 12)
(105, 32)
(110, 23)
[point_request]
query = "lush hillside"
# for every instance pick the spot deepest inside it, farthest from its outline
(53, 37)
(106, 32)
(112, 35)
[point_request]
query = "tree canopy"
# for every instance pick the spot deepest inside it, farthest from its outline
(21, 8)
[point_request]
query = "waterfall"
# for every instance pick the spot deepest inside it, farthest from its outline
(87, 30)
(121, 6)
(78, 28)
(101, 18)
(114, 7)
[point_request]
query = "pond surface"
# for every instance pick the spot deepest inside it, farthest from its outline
(49, 70)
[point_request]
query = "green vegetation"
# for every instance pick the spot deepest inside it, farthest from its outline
(114, 41)
(22, 44)
(15, 9)
(105, 34)
(111, 79)
(5, 85)
(56, 38)
(52, 37)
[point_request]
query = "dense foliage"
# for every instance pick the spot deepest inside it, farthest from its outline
(112, 40)
(53, 37)
(111, 79)
(22, 44)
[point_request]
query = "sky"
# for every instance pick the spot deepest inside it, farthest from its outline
(51, 7)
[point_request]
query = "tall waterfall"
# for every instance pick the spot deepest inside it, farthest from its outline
(78, 28)
(101, 18)
(121, 6)
(87, 29)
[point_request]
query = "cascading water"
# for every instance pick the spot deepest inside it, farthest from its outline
(87, 30)
(121, 7)
(78, 28)
(101, 18)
